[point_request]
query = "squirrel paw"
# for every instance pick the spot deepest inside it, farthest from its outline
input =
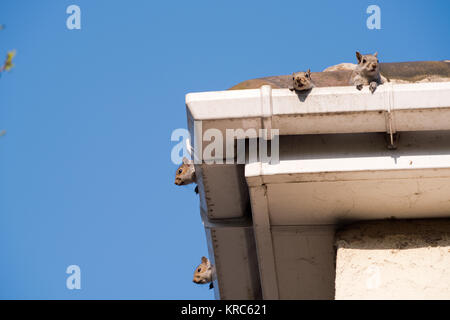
(211, 285)
(373, 87)
(359, 87)
(196, 189)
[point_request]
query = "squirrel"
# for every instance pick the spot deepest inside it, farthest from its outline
(204, 273)
(301, 81)
(186, 174)
(367, 72)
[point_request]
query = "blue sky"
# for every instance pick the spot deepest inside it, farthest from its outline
(85, 170)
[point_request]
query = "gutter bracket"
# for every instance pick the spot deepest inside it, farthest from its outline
(392, 135)
(266, 110)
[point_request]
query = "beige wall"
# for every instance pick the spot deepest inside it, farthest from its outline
(394, 259)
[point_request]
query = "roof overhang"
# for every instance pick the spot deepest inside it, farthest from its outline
(334, 167)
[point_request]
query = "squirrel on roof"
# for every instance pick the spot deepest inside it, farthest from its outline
(367, 72)
(301, 81)
(204, 273)
(186, 174)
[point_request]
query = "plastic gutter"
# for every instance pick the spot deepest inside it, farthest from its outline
(392, 108)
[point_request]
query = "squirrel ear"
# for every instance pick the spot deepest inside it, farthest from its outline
(375, 54)
(358, 56)
(185, 160)
(204, 260)
(309, 71)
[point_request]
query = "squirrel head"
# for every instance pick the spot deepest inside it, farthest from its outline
(204, 272)
(302, 80)
(185, 173)
(368, 63)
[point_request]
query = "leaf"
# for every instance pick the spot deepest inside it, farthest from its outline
(8, 63)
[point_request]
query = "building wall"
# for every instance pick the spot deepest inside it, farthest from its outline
(394, 259)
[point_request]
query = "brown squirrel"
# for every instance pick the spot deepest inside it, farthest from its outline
(367, 72)
(301, 81)
(186, 174)
(204, 273)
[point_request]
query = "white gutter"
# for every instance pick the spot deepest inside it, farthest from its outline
(393, 107)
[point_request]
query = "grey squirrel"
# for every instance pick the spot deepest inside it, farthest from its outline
(367, 72)
(186, 174)
(204, 273)
(301, 81)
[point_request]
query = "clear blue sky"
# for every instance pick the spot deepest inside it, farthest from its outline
(85, 170)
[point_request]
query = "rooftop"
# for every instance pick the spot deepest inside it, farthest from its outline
(270, 226)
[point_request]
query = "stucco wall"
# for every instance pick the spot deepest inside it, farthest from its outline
(394, 259)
